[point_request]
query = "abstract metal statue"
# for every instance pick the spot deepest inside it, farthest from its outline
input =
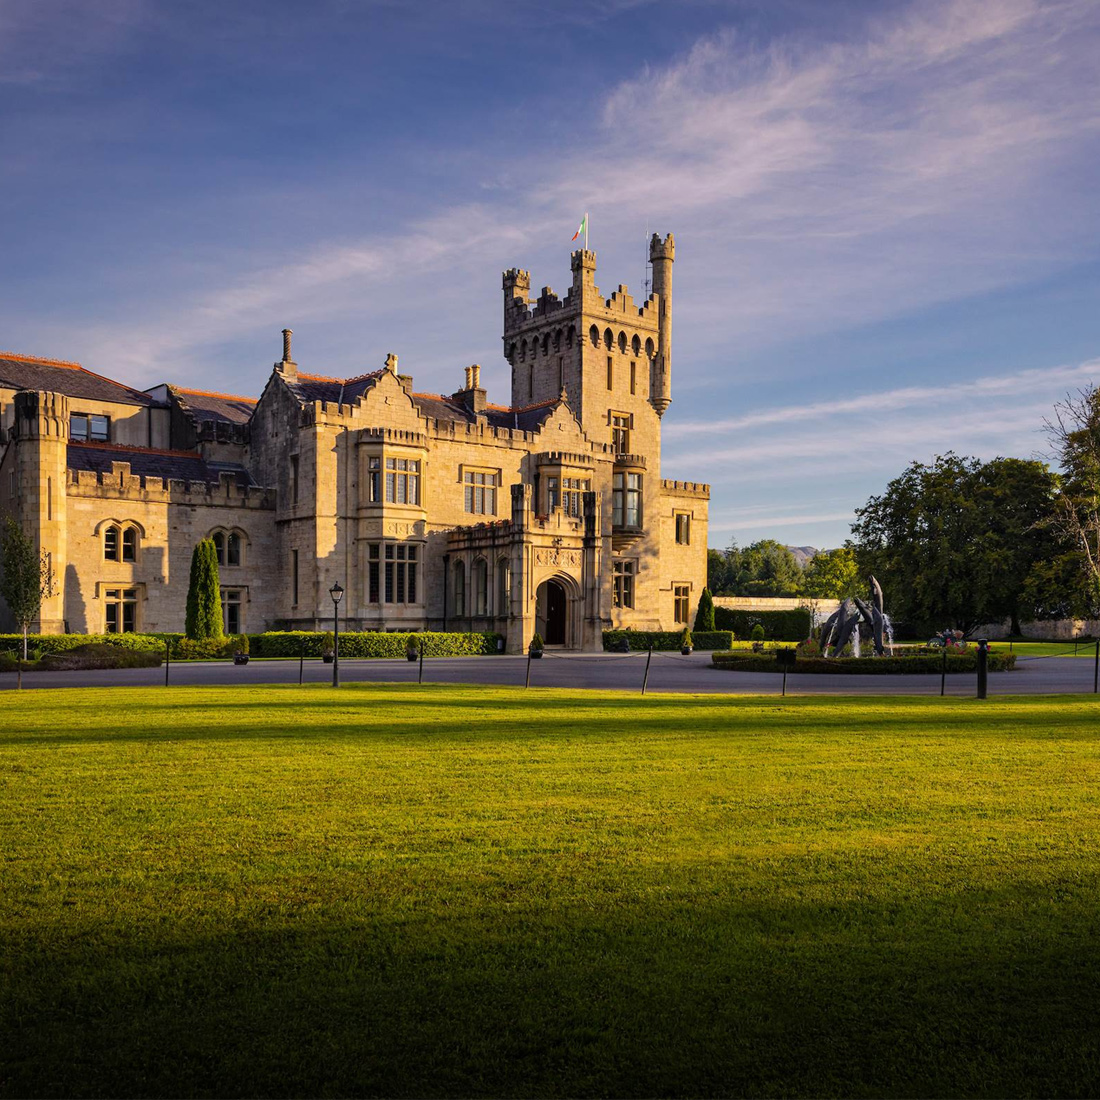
(841, 624)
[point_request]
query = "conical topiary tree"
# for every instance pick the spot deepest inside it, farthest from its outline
(204, 601)
(704, 617)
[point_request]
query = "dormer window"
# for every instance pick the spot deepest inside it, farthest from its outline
(86, 427)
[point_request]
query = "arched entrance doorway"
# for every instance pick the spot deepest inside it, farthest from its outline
(552, 612)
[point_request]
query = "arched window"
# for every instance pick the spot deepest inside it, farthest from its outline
(523, 351)
(233, 549)
(219, 546)
(129, 544)
(622, 342)
(502, 588)
(609, 338)
(481, 587)
(546, 344)
(649, 349)
(111, 543)
(636, 345)
(458, 591)
(594, 336)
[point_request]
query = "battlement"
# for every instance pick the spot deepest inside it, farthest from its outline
(686, 488)
(120, 484)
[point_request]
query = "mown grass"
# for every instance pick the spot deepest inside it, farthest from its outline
(402, 891)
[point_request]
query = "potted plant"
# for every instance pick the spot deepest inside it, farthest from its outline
(686, 645)
(535, 648)
(328, 647)
(240, 649)
(412, 650)
(758, 638)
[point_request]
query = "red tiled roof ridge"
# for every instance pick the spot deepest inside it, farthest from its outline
(127, 448)
(211, 393)
(364, 377)
(342, 381)
(318, 377)
(40, 359)
(436, 396)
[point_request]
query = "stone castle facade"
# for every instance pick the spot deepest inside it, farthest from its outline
(435, 512)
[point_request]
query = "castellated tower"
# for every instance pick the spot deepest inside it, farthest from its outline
(40, 436)
(610, 356)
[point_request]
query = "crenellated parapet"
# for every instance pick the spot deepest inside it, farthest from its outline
(686, 488)
(120, 484)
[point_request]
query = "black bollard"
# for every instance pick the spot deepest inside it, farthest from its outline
(528, 684)
(785, 680)
(420, 677)
(983, 668)
(645, 678)
(943, 673)
(301, 662)
(167, 658)
(1096, 670)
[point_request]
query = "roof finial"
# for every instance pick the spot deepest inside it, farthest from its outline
(391, 363)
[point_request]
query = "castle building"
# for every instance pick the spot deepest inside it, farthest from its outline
(433, 512)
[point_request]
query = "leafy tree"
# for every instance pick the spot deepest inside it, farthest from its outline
(204, 602)
(720, 573)
(1074, 433)
(767, 568)
(832, 575)
(704, 617)
(954, 542)
(26, 578)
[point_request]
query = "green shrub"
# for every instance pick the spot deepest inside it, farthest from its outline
(921, 664)
(666, 639)
(328, 642)
(289, 643)
(704, 617)
(536, 642)
(241, 644)
(62, 643)
(99, 655)
(685, 639)
(202, 649)
(757, 634)
(783, 626)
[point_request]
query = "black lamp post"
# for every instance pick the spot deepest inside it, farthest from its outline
(336, 592)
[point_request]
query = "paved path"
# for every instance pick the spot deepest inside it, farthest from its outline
(668, 672)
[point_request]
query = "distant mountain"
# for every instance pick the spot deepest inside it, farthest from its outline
(803, 553)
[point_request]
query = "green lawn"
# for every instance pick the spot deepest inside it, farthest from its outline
(402, 891)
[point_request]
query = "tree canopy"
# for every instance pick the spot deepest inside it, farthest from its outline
(25, 576)
(833, 575)
(763, 568)
(954, 542)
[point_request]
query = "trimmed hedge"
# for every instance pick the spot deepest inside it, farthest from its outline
(99, 655)
(62, 643)
(288, 643)
(666, 639)
(923, 664)
(781, 626)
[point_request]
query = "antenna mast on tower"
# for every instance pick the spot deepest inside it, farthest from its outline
(646, 278)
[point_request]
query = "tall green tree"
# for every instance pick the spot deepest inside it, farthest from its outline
(25, 576)
(1074, 433)
(204, 601)
(720, 574)
(832, 575)
(767, 568)
(954, 542)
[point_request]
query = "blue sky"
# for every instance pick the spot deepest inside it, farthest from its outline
(887, 225)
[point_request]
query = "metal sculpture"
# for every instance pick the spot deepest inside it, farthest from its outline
(845, 621)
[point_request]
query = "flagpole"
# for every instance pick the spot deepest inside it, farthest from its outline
(586, 231)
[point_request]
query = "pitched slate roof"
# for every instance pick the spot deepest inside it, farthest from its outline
(147, 462)
(27, 372)
(315, 387)
(215, 406)
(526, 418)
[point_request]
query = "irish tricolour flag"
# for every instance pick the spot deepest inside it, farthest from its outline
(583, 228)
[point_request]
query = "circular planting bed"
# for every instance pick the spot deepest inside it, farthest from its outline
(918, 663)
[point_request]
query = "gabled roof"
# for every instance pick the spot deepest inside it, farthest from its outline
(525, 418)
(148, 462)
(225, 407)
(343, 391)
(28, 372)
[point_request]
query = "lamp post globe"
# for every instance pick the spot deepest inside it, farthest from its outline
(336, 592)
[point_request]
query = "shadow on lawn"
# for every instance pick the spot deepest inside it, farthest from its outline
(982, 993)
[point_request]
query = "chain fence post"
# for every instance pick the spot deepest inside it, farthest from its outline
(645, 678)
(943, 674)
(983, 668)
(167, 658)
(301, 660)
(528, 683)
(1096, 670)
(420, 676)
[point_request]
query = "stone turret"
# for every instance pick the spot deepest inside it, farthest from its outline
(40, 439)
(662, 254)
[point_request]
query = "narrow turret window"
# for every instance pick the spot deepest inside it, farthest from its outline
(681, 603)
(111, 544)
(129, 544)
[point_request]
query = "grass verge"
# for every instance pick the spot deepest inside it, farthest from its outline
(402, 891)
